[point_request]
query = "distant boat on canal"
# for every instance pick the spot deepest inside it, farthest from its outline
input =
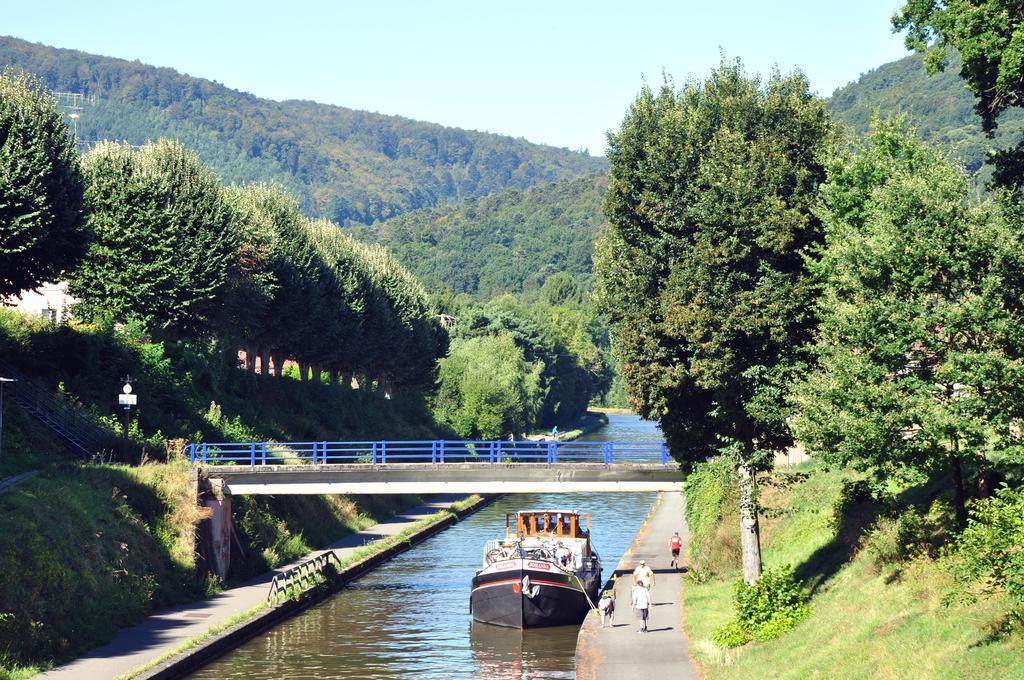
(544, 572)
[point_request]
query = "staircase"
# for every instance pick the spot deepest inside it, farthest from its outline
(76, 430)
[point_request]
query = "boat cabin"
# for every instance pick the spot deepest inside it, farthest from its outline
(547, 524)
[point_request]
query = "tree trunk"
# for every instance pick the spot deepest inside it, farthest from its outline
(264, 362)
(750, 536)
(332, 376)
(959, 495)
(346, 379)
(984, 483)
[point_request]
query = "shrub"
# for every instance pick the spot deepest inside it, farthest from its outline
(909, 534)
(732, 634)
(988, 556)
(764, 610)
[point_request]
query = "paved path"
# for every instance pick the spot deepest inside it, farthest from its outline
(11, 482)
(663, 652)
(169, 629)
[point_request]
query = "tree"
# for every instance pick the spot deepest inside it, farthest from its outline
(284, 292)
(163, 239)
(921, 353)
(702, 273)
(486, 388)
(561, 288)
(41, 187)
(989, 36)
(405, 336)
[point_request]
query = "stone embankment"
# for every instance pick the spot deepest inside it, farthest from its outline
(620, 651)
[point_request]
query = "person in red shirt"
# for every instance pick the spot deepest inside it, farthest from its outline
(676, 544)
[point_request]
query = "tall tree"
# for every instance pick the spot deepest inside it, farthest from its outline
(41, 187)
(989, 35)
(162, 239)
(921, 345)
(487, 388)
(702, 273)
(283, 279)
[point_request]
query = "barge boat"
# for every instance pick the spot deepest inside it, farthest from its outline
(544, 572)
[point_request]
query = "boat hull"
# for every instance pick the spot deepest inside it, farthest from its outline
(531, 594)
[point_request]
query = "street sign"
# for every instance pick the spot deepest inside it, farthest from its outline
(128, 399)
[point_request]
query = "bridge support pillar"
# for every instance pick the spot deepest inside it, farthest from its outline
(219, 503)
(215, 530)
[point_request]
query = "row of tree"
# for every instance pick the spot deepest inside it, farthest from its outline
(149, 234)
(768, 282)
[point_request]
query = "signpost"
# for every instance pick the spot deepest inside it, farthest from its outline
(127, 399)
(2, 381)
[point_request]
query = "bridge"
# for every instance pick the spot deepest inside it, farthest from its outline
(436, 466)
(414, 467)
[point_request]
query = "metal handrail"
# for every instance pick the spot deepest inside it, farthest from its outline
(77, 428)
(440, 451)
(302, 575)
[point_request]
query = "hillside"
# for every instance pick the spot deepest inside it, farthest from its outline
(507, 242)
(882, 602)
(350, 166)
(940, 106)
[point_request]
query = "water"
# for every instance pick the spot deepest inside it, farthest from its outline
(410, 618)
(625, 428)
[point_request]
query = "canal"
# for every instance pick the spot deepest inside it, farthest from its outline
(410, 617)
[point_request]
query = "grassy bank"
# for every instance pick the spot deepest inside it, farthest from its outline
(878, 608)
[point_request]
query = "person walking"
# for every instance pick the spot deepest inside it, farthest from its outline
(554, 433)
(643, 575)
(675, 543)
(641, 605)
(606, 606)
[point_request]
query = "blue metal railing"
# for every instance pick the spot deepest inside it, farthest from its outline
(383, 452)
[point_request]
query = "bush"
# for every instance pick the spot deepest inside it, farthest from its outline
(765, 610)
(732, 634)
(988, 557)
(909, 534)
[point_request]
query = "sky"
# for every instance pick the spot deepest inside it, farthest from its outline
(559, 73)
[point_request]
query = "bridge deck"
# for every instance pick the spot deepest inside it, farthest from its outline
(439, 466)
(423, 478)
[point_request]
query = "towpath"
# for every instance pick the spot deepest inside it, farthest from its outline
(166, 631)
(663, 652)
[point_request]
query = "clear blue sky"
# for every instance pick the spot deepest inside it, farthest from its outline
(554, 72)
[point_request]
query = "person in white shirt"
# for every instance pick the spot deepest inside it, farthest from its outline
(641, 605)
(606, 605)
(643, 574)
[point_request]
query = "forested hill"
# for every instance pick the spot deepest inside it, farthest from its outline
(508, 242)
(939, 105)
(350, 166)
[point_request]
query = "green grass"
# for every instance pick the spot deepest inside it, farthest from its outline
(84, 551)
(865, 622)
